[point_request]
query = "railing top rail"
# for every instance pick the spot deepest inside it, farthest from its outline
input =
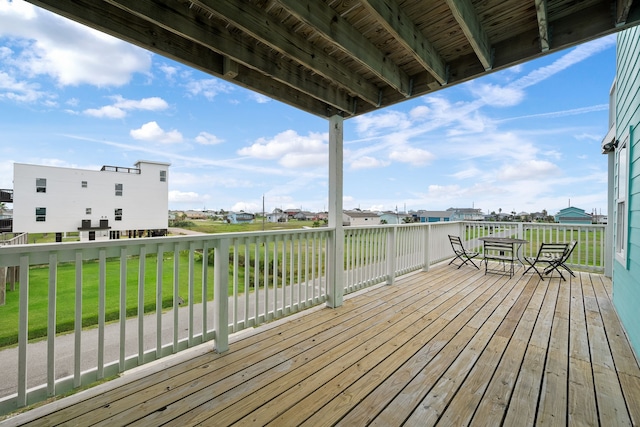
(169, 240)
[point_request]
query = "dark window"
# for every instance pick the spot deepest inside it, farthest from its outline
(118, 189)
(84, 184)
(88, 211)
(163, 176)
(118, 214)
(41, 185)
(41, 214)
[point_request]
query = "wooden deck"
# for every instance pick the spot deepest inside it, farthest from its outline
(447, 347)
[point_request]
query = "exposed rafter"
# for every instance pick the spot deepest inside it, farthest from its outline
(467, 18)
(391, 16)
(622, 11)
(337, 30)
(543, 25)
(267, 30)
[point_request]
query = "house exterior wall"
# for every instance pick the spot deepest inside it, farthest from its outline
(626, 271)
(144, 199)
(359, 219)
(573, 215)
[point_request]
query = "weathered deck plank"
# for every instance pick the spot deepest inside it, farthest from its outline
(450, 347)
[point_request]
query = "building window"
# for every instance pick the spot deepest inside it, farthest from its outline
(622, 168)
(41, 214)
(118, 214)
(118, 189)
(84, 184)
(163, 176)
(88, 211)
(41, 185)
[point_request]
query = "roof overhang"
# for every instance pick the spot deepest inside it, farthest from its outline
(350, 57)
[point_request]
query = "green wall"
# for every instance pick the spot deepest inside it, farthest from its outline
(626, 278)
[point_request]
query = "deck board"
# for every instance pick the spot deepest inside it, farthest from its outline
(448, 347)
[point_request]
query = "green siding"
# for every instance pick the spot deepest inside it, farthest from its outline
(626, 281)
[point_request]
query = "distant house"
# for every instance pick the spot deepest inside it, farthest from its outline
(573, 215)
(357, 218)
(277, 216)
(240, 218)
(434, 216)
(291, 213)
(538, 216)
(392, 218)
(195, 214)
(466, 214)
(305, 216)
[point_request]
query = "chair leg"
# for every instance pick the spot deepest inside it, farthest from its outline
(534, 269)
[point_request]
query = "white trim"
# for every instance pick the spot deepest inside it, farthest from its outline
(621, 203)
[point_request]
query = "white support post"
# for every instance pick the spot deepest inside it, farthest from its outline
(391, 256)
(221, 294)
(335, 273)
(426, 242)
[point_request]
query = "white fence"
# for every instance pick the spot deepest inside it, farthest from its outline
(149, 298)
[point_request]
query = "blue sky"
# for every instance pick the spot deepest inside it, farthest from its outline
(522, 139)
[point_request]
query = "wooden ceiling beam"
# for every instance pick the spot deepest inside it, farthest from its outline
(466, 16)
(395, 20)
(112, 20)
(272, 33)
(186, 23)
(543, 25)
(622, 11)
(340, 32)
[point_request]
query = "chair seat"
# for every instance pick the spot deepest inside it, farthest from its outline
(552, 256)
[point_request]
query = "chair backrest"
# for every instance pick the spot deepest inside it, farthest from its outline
(498, 250)
(553, 250)
(570, 247)
(456, 244)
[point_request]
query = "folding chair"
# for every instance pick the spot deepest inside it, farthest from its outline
(551, 255)
(461, 253)
(566, 256)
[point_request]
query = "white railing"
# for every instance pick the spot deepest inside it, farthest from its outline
(152, 297)
(166, 286)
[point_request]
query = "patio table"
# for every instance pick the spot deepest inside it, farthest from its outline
(515, 245)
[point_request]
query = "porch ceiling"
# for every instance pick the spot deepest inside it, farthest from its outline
(350, 57)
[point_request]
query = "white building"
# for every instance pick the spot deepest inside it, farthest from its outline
(98, 204)
(357, 218)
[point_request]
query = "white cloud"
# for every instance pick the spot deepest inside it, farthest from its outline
(20, 90)
(209, 88)
(108, 111)
(246, 206)
(367, 162)
(497, 96)
(413, 156)
(375, 123)
(153, 132)
(259, 98)
(572, 57)
(531, 169)
(168, 71)
(292, 150)
(121, 105)
(184, 196)
(68, 52)
(206, 138)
